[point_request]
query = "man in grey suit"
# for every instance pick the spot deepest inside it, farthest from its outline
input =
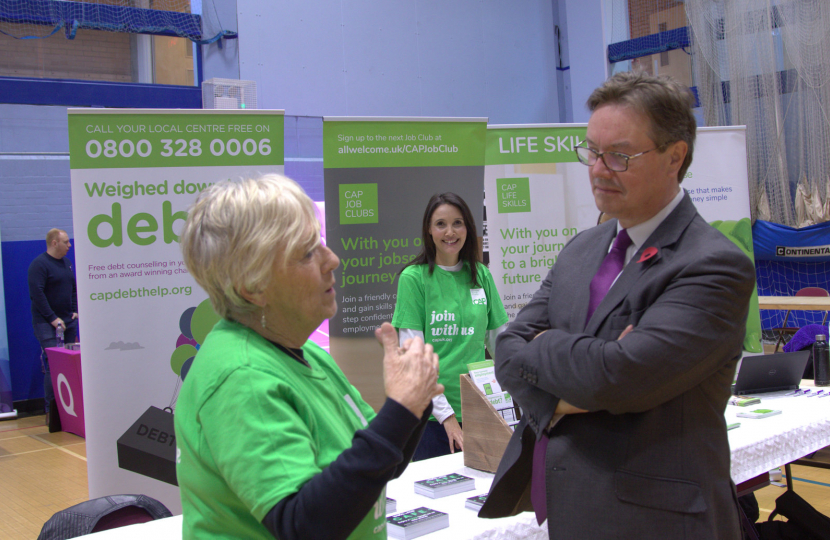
(622, 362)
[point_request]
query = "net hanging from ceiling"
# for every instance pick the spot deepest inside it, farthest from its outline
(766, 64)
(33, 19)
(760, 63)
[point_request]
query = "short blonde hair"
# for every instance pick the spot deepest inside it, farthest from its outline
(52, 235)
(237, 230)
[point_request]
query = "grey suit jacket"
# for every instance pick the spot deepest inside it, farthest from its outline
(651, 458)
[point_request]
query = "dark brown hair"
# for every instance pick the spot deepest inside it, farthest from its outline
(469, 251)
(665, 102)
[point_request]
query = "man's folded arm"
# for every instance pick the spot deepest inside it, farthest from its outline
(530, 322)
(679, 341)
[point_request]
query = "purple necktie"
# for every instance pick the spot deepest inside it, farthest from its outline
(538, 497)
(608, 271)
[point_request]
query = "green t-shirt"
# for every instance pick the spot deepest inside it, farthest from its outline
(453, 316)
(253, 425)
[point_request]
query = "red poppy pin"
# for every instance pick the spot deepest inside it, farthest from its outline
(648, 253)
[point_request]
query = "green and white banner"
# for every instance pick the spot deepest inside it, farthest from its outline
(538, 196)
(134, 174)
(379, 175)
(718, 183)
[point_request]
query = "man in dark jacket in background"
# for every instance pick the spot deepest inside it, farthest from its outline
(54, 298)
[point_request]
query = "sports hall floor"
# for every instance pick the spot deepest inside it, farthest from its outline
(42, 473)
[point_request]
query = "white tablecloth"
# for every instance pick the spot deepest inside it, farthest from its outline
(757, 446)
(160, 529)
(464, 523)
(760, 445)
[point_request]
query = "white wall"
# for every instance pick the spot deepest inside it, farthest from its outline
(34, 185)
(485, 58)
(221, 58)
(585, 52)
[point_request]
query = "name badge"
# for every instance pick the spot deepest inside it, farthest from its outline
(478, 296)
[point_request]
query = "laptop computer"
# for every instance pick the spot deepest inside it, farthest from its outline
(770, 372)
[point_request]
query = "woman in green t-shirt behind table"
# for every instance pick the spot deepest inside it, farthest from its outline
(272, 440)
(449, 299)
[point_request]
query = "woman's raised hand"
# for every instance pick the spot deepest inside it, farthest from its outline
(410, 374)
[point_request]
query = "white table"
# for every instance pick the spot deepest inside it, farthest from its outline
(760, 445)
(160, 529)
(757, 446)
(464, 523)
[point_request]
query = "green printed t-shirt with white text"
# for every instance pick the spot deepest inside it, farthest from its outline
(453, 315)
(253, 425)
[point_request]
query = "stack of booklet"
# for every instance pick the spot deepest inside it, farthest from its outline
(744, 401)
(476, 502)
(391, 505)
(416, 523)
(758, 413)
(441, 486)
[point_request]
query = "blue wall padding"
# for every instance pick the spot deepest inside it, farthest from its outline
(24, 350)
(769, 239)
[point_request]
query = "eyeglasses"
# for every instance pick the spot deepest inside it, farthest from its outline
(615, 161)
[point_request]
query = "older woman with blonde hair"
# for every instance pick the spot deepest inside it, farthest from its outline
(272, 439)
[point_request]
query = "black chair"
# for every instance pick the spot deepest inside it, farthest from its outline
(102, 514)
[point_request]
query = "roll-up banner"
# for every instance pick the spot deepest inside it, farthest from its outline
(538, 197)
(379, 175)
(6, 404)
(134, 174)
(718, 183)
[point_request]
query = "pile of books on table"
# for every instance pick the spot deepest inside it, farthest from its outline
(475, 502)
(442, 486)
